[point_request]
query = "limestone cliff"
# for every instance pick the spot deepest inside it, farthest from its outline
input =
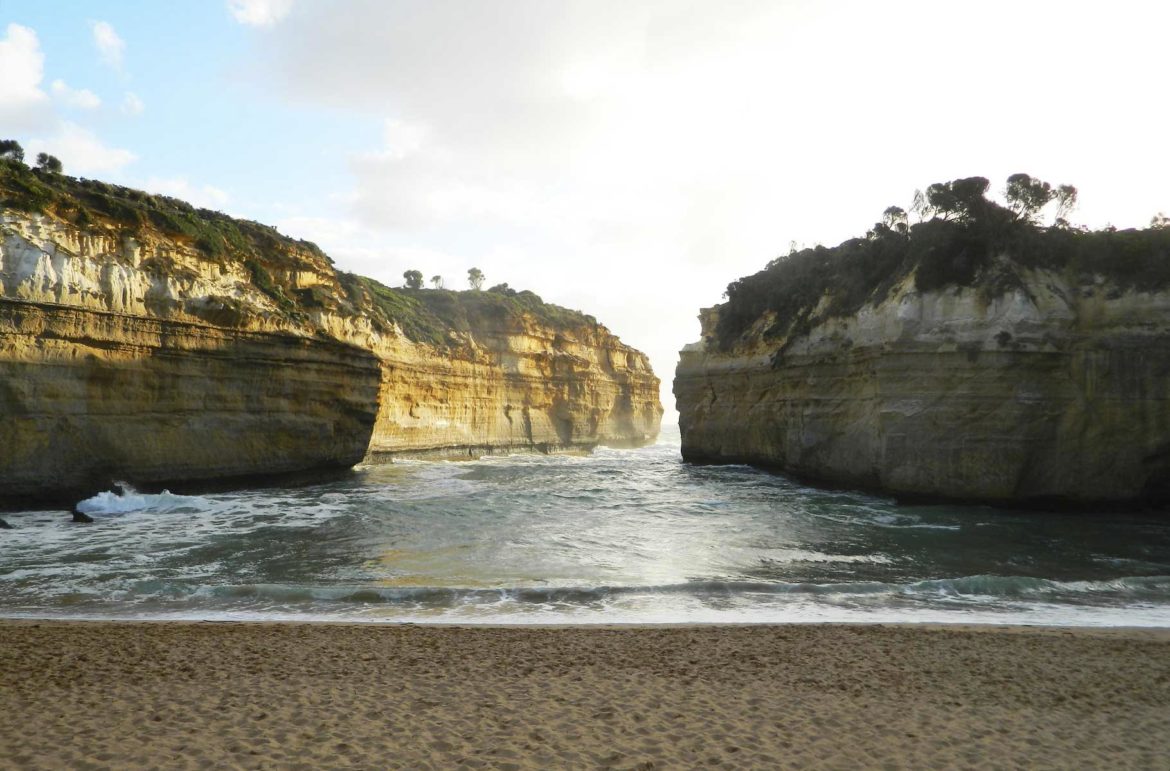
(88, 397)
(515, 384)
(143, 340)
(1046, 382)
(136, 357)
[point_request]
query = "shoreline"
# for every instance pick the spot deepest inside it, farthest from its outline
(961, 626)
(1153, 630)
(283, 694)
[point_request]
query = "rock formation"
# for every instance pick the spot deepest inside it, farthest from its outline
(514, 383)
(1048, 393)
(141, 339)
(1028, 381)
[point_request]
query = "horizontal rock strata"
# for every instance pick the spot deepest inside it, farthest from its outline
(1050, 394)
(89, 397)
(513, 388)
(137, 356)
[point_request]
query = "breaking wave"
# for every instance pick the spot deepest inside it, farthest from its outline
(1144, 588)
(124, 499)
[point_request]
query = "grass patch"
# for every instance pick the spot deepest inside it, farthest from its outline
(430, 315)
(90, 203)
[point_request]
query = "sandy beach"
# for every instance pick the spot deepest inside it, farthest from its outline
(230, 695)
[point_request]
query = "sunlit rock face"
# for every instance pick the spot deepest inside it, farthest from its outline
(514, 385)
(89, 397)
(141, 358)
(1051, 393)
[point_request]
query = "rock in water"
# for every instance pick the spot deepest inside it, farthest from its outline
(81, 516)
(4, 525)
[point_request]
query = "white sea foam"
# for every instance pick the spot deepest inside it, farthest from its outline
(125, 499)
(974, 599)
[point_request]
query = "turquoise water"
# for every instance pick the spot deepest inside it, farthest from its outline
(620, 536)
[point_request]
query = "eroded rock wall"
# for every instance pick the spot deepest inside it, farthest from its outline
(513, 387)
(89, 397)
(1050, 393)
(140, 358)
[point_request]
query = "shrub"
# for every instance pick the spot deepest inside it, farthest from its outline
(969, 242)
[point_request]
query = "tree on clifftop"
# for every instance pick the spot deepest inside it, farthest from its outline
(49, 163)
(1026, 196)
(11, 149)
(475, 278)
(961, 199)
(437, 282)
(894, 217)
(414, 279)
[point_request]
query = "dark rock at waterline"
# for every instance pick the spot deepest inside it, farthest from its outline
(81, 516)
(5, 526)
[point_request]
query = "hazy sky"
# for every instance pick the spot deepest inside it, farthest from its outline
(629, 159)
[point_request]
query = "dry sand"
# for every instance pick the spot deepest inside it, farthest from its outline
(197, 695)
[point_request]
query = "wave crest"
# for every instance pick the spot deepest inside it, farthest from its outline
(123, 499)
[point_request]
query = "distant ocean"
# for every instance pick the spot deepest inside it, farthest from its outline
(619, 536)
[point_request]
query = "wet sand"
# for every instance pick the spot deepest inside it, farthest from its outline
(196, 695)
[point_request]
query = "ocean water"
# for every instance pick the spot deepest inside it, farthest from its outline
(619, 536)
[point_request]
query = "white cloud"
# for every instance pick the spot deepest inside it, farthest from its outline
(80, 151)
(110, 46)
(633, 158)
(82, 98)
(401, 139)
(204, 196)
(131, 104)
(24, 106)
(259, 13)
(359, 248)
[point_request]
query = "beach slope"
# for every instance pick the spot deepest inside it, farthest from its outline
(197, 695)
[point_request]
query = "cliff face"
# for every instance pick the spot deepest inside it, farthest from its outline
(1054, 391)
(141, 356)
(515, 384)
(89, 397)
(141, 360)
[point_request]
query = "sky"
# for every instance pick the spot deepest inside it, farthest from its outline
(628, 159)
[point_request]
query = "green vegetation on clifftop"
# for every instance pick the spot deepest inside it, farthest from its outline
(963, 240)
(88, 203)
(424, 315)
(98, 206)
(431, 315)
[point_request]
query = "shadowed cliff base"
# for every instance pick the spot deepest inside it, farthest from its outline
(474, 451)
(66, 499)
(973, 356)
(1154, 500)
